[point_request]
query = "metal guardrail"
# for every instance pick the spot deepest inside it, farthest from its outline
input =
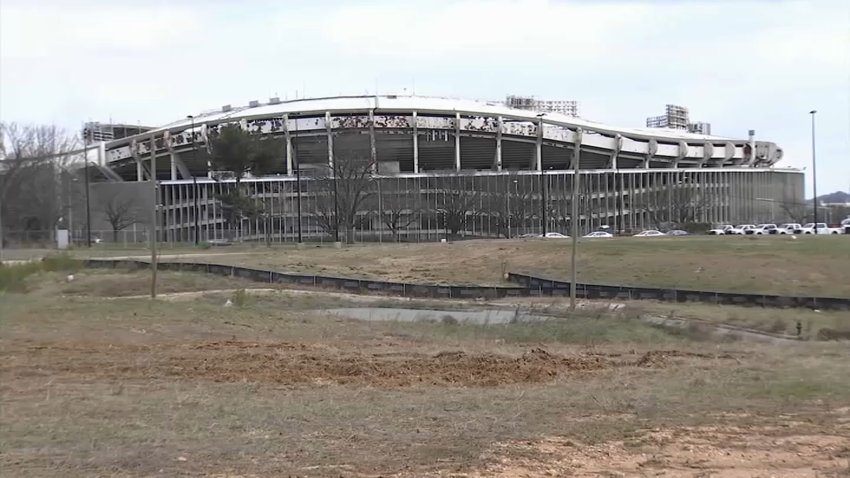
(540, 286)
(528, 286)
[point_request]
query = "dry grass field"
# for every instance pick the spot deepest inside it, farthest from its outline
(96, 383)
(817, 266)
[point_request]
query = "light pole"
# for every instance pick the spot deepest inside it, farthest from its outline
(298, 180)
(814, 172)
(86, 172)
(195, 183)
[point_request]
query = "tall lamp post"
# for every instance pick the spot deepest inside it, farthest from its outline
(814, 172)
(86, 134)
(195, 183)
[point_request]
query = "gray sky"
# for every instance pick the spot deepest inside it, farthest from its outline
(738, 64)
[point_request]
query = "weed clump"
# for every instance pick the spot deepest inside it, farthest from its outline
(13, 277)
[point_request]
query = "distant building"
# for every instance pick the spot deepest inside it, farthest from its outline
(677, 117)
(700, 128)
(564, 107)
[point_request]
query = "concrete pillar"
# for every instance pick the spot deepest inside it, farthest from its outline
(651, 149)
(415, 143)
(457, 141)
(613, 163)
(330, 141)
(538, 146)
(172, 156)
(607, 201)
(140, 171)
(288, 137)
(498, 159)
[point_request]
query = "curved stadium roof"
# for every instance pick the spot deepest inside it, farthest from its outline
(422, 104)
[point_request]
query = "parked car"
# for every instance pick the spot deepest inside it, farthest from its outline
(649, 233)
(599, 234)
(773, 229)
(720, 231)
(530, 236)
(678, 232)
(846, 225)
(555, 235)
(761, 229)
(741, 230)
(789, 228)
(819, 229)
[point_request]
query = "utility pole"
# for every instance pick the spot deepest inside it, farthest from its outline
(574, 217)
(154, 217)
(814, 173)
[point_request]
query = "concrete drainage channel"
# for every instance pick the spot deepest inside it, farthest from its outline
(507, 316)
(720, 330)
(478, 317)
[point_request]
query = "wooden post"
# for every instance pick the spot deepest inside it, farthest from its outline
(154, 217)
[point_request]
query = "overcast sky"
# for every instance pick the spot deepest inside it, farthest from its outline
(737, 64)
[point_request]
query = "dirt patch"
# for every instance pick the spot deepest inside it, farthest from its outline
(715, 451)
(300, 363)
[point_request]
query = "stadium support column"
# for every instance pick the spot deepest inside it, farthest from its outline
(614, 163)
(140, 168)
(498, 159)
(415, 143)
(330, 141)
(457, 141)
(288, 144)
(373, 150)
(651, 149)
(172, 156)
(538, 146)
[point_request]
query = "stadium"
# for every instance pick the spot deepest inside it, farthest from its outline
(444, 167)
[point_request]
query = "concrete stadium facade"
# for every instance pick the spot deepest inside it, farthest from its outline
(424, 149)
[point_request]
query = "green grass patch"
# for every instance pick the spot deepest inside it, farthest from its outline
(13, 277)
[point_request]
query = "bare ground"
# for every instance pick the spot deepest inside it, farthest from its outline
(129, 387)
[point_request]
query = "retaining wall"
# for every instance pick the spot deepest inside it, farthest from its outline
(540, 286)
(528, 286)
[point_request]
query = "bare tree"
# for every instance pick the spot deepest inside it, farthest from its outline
(241, 153)
(674, 204)
(121, 212)
(510, 205)
(799, 213)
(397, 207)
(458, 202)
(33, 160)
(341, 194)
